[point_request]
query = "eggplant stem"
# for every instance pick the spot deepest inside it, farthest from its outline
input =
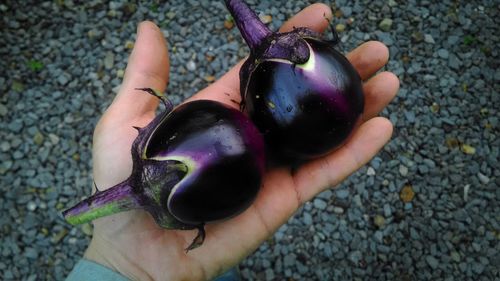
(198, 240)
(252, 29)
(116, 199)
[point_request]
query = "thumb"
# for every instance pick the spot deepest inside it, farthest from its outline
(148, 67)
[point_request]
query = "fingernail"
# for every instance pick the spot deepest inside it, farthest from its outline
(140, 27)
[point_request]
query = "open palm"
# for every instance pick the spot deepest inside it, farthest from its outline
(132, 244)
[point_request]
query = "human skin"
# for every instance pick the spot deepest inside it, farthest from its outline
(133, 245)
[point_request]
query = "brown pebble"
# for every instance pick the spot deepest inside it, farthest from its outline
(266, 19)
(210, 78)
(340, 27)
(379, 221)
(228, 24)
(407, 194)
(129, 45)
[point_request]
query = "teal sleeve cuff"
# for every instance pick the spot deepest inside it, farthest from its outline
(86, 270)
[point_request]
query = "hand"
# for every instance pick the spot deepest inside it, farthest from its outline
(132, 244)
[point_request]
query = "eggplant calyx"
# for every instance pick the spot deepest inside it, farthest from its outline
(287, 46)
(198, 240)
(168, 105)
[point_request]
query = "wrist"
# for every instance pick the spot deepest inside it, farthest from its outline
(112, 259)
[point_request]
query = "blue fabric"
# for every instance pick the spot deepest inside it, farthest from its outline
(232, 275)
(86, 270)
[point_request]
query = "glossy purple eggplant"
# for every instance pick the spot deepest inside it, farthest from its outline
(302, 94)
(201, 162)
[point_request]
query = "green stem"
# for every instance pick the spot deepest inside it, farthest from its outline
(116, 199)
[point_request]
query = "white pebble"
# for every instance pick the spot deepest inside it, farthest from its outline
(338, 210)
(370, 171)
(483, 178)
(31, 206)
(403, 170)
(466, 192)
(429, 39)
(191, 66)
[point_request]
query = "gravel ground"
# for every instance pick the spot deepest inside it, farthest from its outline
(426, 208)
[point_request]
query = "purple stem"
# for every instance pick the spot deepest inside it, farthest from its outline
(252, 29)
(116, 199)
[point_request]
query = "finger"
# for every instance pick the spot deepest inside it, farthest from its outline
(379, 91)
(148, 67)
(227, 88)
(328, 171)
(369, 58)
(315, 17)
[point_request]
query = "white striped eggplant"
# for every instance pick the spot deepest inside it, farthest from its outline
(200, 162)
(303, 95)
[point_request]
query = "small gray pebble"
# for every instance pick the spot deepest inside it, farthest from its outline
(347, 11)
(410, 116)
(414, 234)
(483, 178)
(403, 170)
(478, 268)
(319, 204)
(443, 53)
(429, 39)
(8, 274)
(338, 210)
(30, 253)
(455, 256)
(63, 79)
(387, 210)
(109, 60)
(307, 218)
(14, 24)
(424, 169)
(3, 110)
(4, 146)
(453, 39)
(289, 260)
(432, 262)
(355, 257)
(342, 193)
(385, 38)
(379, 236)
(269, 274)
(16, 126)
(392, 3)
(454, 62)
